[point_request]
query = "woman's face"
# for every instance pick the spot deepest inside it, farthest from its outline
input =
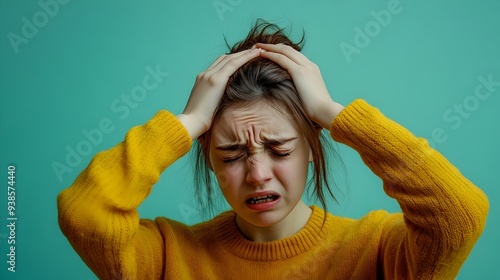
(260, 161)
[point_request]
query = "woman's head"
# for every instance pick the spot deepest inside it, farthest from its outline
(261, 140)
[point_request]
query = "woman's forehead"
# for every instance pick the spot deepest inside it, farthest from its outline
(259, 120)
(260, 110)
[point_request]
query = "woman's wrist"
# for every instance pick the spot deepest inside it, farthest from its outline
(194, 128)
(328, 113)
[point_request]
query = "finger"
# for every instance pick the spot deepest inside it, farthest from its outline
(290, 52)
(216, 63)
(282, 60)
(227, 66)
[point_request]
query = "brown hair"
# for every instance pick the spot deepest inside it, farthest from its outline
(263, 80)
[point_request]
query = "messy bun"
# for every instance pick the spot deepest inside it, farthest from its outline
(267, 33)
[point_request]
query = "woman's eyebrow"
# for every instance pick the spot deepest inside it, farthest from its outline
(278, 142)
(268, 142)
(231, 147)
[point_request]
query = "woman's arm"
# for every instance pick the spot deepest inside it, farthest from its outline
(98, 212)
(444, 213)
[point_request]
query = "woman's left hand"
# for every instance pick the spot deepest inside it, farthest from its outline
(308, 81)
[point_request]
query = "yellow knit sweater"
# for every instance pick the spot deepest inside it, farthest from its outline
(443, 215)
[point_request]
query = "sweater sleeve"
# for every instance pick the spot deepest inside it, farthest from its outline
(443, 212)
(98, 212)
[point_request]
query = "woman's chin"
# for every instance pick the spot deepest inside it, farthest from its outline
(264, 218)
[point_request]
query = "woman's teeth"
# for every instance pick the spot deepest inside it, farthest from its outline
(261, 199)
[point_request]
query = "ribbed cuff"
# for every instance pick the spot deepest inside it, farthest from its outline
(173, 140)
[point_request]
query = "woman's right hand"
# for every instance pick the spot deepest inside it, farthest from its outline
(208, 90)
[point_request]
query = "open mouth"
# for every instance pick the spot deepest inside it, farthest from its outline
(262, 199)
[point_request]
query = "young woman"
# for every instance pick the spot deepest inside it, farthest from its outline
(257, 113)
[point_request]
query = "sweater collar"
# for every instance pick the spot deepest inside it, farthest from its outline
(229, 236)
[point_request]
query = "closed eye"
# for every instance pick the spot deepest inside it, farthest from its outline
(230, 160)
(273, 152)
(280, 155)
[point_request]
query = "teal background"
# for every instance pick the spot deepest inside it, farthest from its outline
(66, 77)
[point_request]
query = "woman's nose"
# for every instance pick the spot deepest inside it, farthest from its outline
(259, 171)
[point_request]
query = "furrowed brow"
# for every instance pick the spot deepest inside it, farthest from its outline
(268, 142)
(278, 142)
(231, 147)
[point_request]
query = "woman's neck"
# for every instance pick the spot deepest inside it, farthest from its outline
(289, 226)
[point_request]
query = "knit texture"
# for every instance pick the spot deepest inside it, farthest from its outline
(443, 215)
